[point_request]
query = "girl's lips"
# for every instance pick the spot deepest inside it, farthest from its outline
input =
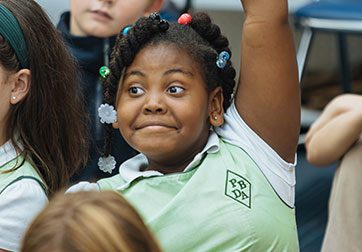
(101, 15)
(153, 125)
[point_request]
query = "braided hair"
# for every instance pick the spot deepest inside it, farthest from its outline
(201, 39)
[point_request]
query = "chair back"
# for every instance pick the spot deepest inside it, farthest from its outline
(339, 1)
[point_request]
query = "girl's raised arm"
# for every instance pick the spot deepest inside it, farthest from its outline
(268, 97)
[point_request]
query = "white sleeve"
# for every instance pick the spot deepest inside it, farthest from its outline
(83, 186)
(19, 204)
(280, 174)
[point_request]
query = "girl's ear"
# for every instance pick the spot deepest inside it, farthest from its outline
(155, 6)
(216, 109)
(115, 124)
(20, 82)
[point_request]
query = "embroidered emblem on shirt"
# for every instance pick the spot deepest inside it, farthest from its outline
(238, 188)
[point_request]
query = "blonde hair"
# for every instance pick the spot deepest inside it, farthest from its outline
(89, 222)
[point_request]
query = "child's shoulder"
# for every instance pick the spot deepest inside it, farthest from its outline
(20, 202)
(83, 186)
(111, 183)
(16, 170)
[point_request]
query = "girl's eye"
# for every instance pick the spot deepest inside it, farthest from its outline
(136, 90)
(175, 89)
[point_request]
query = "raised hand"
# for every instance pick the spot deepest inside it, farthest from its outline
(265, 9)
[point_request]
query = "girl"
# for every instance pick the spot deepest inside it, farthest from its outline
(41, 124)
(88, 221)
(230, 188)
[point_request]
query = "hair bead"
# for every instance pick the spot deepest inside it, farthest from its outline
(155, 16)
(125, 30)
(222, 59)
(163, 25)
(185, 19)
(104, 71)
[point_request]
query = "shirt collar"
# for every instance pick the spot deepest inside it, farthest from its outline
(131, 169)
(7, 153)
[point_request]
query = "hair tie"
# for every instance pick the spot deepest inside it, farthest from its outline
(104, 71)
(155, 16)
(13, 34)
(222, 59)
(163, 25)
(107, 164)
(107, 113)
(185, 19)
(125, 30)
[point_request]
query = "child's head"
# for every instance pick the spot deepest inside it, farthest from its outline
(89, 221)
(182, 62)
(41, 108)
(105, 18)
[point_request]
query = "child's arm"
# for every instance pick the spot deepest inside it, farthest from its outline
(334, 132)
(268, 96)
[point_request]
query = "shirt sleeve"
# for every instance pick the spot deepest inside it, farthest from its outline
(280, 174)
(83, 186)
(19, 204)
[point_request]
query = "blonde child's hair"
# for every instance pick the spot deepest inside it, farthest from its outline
(89, 222)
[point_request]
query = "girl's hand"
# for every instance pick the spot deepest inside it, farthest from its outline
(265, 10)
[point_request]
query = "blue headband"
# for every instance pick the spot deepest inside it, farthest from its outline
(11, 31)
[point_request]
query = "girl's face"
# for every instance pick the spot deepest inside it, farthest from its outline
(104, 18)
(163, 108)
(5, 96)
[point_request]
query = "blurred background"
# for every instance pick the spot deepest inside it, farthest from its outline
(321, 82)
(323, 64)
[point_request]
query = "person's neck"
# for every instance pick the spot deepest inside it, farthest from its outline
(176, 163)
(167, 167)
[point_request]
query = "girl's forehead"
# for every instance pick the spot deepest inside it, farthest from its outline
(163, 48)
(163, 55)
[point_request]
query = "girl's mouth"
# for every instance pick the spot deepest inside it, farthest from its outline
(101, 15)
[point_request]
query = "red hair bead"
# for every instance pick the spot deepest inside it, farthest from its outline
(185, 19)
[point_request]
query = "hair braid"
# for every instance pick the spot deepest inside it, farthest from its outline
(202, 24)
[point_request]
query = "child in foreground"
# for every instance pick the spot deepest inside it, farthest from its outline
(41, 117)
(89, 222)
(216, 168)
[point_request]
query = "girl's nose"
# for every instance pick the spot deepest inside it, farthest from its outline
(107, 1)
(154, 104)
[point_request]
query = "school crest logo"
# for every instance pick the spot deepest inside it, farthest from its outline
(238, 188)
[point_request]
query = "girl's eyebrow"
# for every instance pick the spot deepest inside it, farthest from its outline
(170, 71)
(178, 70)
(134, 72)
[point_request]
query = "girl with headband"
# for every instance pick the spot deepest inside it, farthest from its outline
(216, 168)
(41, 123)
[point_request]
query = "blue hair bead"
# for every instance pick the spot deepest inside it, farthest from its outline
(222, 59)
(224, 55)
(125, 30)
